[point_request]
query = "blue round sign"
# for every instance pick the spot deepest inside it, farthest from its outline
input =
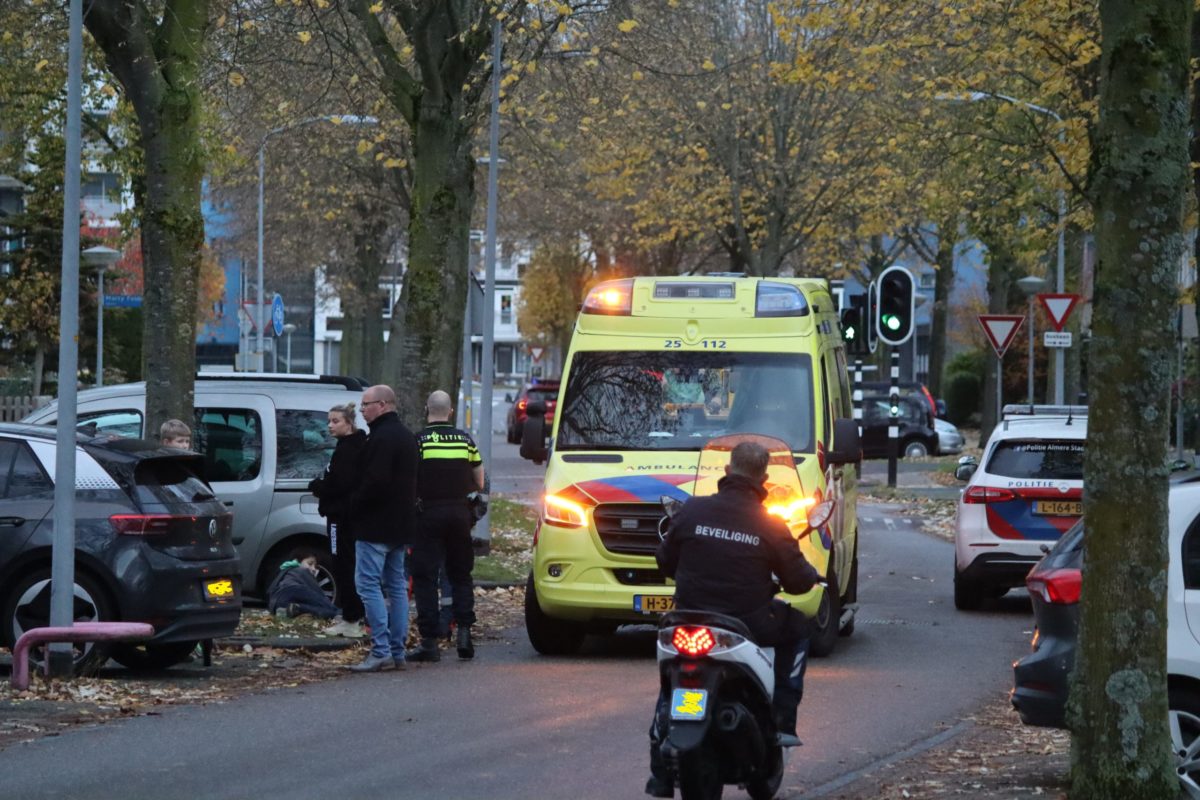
(277, 315)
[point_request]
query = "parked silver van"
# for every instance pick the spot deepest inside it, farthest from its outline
(263, 437)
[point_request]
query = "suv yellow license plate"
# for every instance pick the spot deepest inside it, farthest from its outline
(1059, 508)
(219, 589)
(653, 603)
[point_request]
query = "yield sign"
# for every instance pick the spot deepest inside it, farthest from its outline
(1001, 329)
(536, 352)
(1058, 307)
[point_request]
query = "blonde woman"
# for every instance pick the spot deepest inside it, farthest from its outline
(333, 490)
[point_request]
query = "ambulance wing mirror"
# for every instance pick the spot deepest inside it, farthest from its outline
(847, 449)
(533, 436)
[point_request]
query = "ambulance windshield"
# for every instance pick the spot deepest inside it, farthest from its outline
(664, 400)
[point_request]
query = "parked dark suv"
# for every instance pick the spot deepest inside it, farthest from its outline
(917, 435)
(539, 391)
(152, 544)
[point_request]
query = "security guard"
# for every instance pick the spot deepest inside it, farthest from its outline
(450, 470)
(722, 550)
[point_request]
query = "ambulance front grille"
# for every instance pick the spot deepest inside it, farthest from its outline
(628, 528)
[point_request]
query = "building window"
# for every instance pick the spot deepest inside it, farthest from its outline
(521, 270)
(506, 309)
(926, 280)
(385, 297)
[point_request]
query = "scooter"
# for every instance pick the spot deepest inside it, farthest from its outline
(718, 727)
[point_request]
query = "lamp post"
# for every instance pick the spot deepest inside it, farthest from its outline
(345, 119)
(1031, 285)
(101, 258)
(289, 329)
(1059, 276)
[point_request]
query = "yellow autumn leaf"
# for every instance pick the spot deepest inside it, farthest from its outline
(236, 78)
(304, 36)
(627, 25)
(708, 64)
(637, 75)
(363, 146)
(395, 163)
(41, 65)
(375, 9)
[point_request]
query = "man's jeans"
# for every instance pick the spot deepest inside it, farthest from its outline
(379, 568)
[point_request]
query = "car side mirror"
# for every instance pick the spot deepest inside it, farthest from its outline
(847, 449)
(533, 436)
(966, 468)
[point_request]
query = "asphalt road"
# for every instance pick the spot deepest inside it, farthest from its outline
(513, 724)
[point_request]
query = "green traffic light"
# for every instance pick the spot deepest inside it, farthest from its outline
(892, 322)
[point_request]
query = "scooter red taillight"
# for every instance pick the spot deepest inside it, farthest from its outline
(693, 641)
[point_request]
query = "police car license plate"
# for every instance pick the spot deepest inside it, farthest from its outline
(689, 704)
(219, 589)
(653, 603)
(1059, 508)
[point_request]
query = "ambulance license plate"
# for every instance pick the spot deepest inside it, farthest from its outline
(653, 603)
(689, 704)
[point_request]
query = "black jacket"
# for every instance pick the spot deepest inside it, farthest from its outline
(721, 551)
(383, 507)
(336, 485)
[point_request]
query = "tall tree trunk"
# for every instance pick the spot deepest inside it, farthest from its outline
(426, 333)
(1001, 264)
(39, 366)
(362, 352)
(1121, 747)
(157, 62)
(942, 287)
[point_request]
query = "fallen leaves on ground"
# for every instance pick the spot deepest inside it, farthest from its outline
(997, 758)
(239, 667)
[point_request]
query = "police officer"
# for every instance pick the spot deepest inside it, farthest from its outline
(450, 470)
(722, 550)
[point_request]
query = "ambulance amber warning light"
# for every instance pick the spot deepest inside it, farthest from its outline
(611, 297)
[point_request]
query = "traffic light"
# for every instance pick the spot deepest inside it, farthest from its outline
(895, 320)
(853, 319)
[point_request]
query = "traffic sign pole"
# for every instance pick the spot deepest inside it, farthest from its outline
(893, 417)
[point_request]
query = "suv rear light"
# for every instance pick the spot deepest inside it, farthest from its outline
(521, 404)
(988, 494)
(146, 524)
(693, 641)
(1058, 586)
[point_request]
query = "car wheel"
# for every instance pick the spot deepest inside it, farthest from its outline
(915, 448)
(1185, 738)
(828, 619)
(152, 656)
(549, 636)
(27, 606)
(851, 594)
(325, 573)
(968, 594)
(514, 436)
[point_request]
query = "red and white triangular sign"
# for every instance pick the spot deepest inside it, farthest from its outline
(1001, 329)
(1058, 307)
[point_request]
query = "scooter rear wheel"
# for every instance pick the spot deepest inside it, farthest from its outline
(699, 776)
(765, 788)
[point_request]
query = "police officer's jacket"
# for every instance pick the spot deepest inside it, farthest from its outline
(448, 458)
(721, 551)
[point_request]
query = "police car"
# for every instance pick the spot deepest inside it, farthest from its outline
(1026, 492)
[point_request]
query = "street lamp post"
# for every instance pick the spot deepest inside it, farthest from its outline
(289, 329)
(101, 258)
(346, 119)
(1059, 272)
(1031, 285)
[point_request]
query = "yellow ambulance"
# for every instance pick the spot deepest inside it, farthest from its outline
(659, 367)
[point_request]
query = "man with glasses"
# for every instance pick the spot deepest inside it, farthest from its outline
(384, 510)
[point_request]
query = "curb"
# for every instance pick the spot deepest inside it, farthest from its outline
(324, 645)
